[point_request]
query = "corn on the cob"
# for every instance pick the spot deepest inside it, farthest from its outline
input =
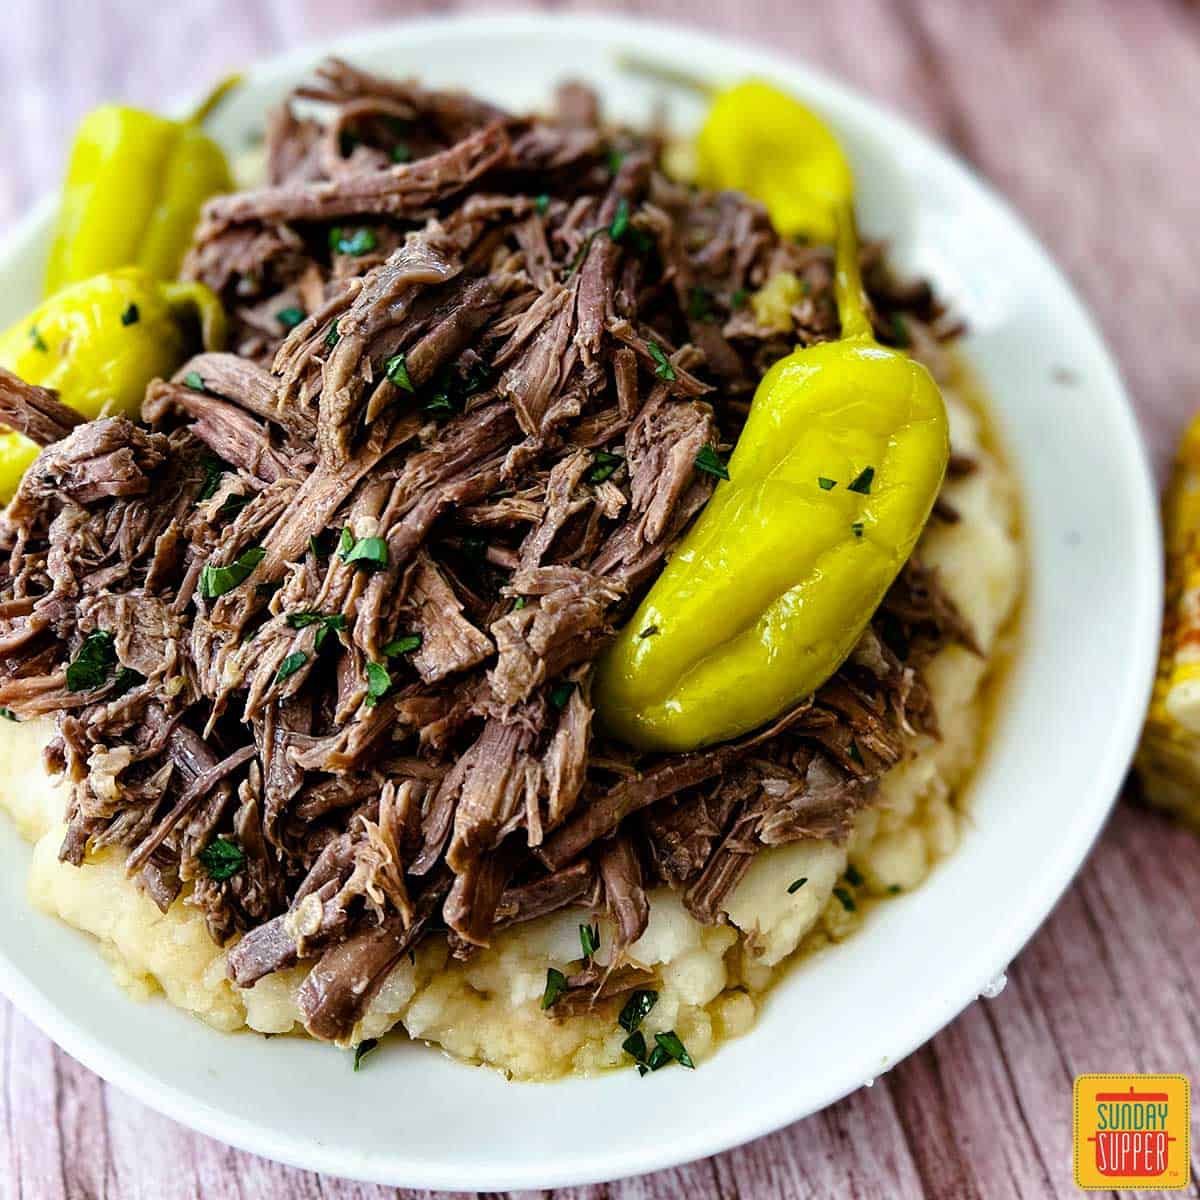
(1169, 758)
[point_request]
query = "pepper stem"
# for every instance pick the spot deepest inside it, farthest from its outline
(637, 65)
(214, 98)
(852, 304)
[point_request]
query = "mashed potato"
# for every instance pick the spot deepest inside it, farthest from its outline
(712, 979)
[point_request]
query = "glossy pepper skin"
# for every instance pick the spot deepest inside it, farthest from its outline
(830, 485)
(759, 140)
(99, 343)
(133, 192)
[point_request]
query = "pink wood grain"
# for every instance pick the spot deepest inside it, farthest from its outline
(1085, 113)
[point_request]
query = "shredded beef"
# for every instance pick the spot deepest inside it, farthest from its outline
(338, 596)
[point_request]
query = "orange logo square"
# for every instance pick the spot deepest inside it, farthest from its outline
(1132, 1131)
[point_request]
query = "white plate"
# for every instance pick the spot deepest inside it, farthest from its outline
(1058, 753)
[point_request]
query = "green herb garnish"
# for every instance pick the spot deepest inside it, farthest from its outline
(664, 370)
(214, 468)
(614, 158)
(710, 462)
(858, 529)
(796, 885)
(403, 645)
(39, 342)
(560, 693)
(370, 551)
(216, 581)
(826, 484)
(699, 303)
(363, 1049)
(589, 939)
(360, 241)
(397, 372)
(603, 465)
(670, 1044)
(192, 379)
(620, 223)
(301, 620)
(846, 899)
(856, 754)
(290, 665)
(131, 315)
(853, 875)
(314, 546)
(542, 204)
(222, 859)
(862, 482)
(637, 1009)
(519, 603)
(738, 298)
(91, 667)
(556, 984)
(635, 1046)
(401, 153)
(333, 337)
(379, 680)
(9, 715)
(900, 330)
(290, 317)
(126, 678)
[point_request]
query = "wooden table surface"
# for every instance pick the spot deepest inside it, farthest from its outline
(1085, 113)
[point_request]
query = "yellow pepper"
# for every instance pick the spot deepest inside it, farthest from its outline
(759, 140)
(133, 192)
(99, 343)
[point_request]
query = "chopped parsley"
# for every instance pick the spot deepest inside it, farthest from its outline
(853, 876)
(589, 939)
(379, 679)
(699, 304)
(862, 481)
(542, 204)
(369, 551)
(825, 483)
(560, 693)
(290, 665)
(637, 1009)
(614, 158)
(126, 678)
(9, 715)
(131, 315)
(519, 603)
(664, 369)
(39, 342)
(858, 529)
(314, 546)
(216, 581)
(290, 317)
(649, 631)
(856, 754)
(669, 1042)
(581, 253)
(358, 241)
(301, 620)
(333, 337)
(603, 465)
(900, 330)
(635, 1046)
(709, 461)
(403, 645)
(556, 984)
(363, 1049)
(192, 379)
(92, 666)
(847, 900)
(397, 372)
(222, 859)
(214, 468)
(620, 223)
(796, 885)
(738, 298)
(400, 153)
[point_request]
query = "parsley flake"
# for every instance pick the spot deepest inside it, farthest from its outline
(192, 379)
(637, 1009)
(556, 984)
(519, 603)
(403, 645)
(826, 484)
(589, 939)
(620, 223)
(560, 693)
(333, 337)
(222, 859)
(669, 1042)
(614, 158)
(400, 153)
(214, 468)
(9, 715)
(738, 298)
(369, 551)
(358, 241)
(853, 876)
(216, 581)
(290, 317)
(604, 464)
(379, 679)
(363, 1049)
(131, 315)
(710, 463)
(542, 204)
(664, 370)
(699, 304)
(91, 667)
(290, 665)
(39, 342)
(858, 529)
(862, 482)
(796, 885)
(397, 372)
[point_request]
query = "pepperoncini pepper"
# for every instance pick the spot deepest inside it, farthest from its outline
(830, 485)
(99, 343)
(133, 192)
